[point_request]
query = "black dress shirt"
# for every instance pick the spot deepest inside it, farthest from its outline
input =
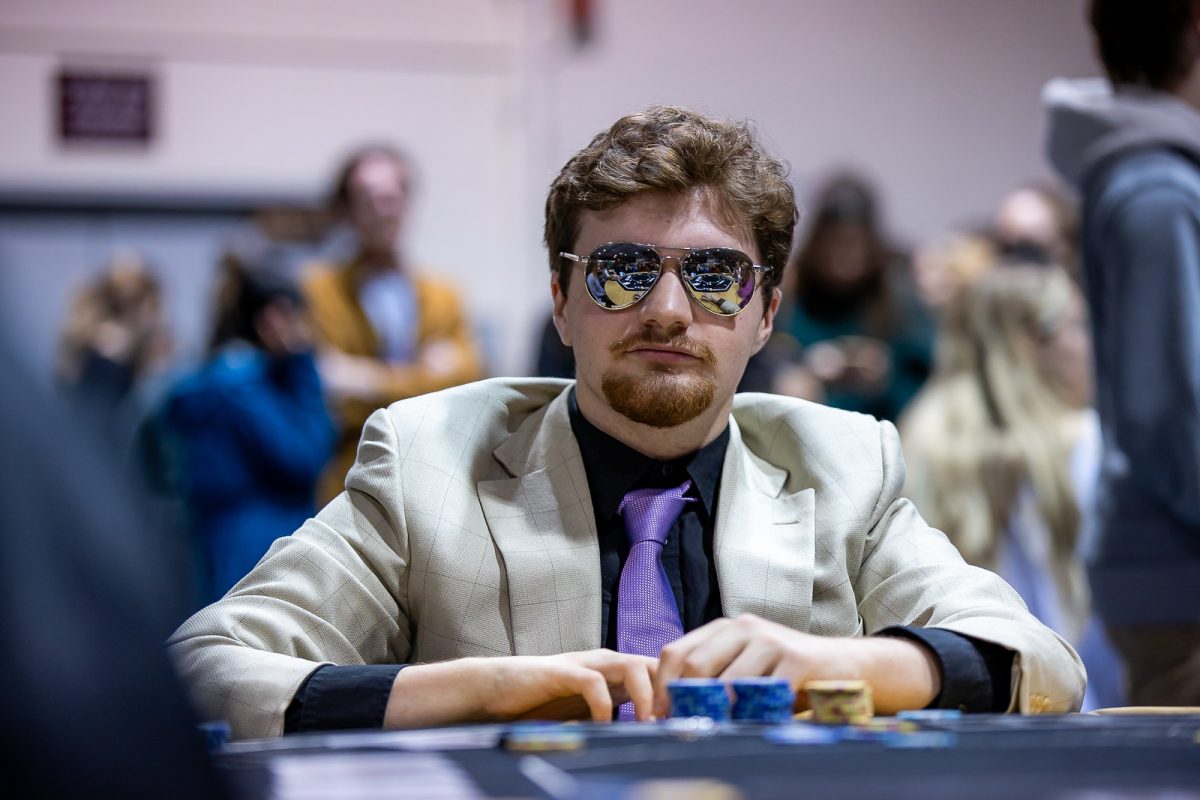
(975, 674)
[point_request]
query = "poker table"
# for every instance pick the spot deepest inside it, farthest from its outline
(1072, 757)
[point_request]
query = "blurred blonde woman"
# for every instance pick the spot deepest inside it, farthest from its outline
(1003, 449)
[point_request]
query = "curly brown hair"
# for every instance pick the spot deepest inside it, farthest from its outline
(673, 149)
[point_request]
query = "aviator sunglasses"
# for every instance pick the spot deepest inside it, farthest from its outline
(618, 274)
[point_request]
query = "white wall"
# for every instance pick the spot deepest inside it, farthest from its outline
(936, 98)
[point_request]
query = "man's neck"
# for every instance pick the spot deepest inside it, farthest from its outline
(657, 443)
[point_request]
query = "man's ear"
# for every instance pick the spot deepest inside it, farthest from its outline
(559, 294)
(767, 324)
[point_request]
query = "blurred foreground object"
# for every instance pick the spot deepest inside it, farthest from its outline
(87, 597)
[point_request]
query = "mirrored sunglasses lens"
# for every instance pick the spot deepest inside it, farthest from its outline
(722, 280)
(618, 275)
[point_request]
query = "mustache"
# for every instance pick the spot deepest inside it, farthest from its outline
(678, 341)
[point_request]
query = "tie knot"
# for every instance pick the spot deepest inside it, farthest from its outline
(650, 513)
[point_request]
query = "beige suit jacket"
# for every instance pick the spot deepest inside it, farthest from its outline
(466, 529)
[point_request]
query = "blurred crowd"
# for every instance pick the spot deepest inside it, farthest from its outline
(975, 343)
(1051, 444)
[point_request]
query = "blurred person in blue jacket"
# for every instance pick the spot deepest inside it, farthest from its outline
(1133, 151)
(249, 432)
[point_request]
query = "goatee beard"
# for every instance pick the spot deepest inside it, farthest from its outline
(666, 397)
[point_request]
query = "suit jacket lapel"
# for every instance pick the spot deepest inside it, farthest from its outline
(764, 541)
(541, 520)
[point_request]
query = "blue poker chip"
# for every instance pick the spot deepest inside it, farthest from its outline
(699, 697)
(930, 714)
(763, 700)
(801, 734)
(216, 734)
(921, 740)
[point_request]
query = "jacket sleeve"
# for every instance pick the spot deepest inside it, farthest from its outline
(1153, 243)
(912, 575)
(335, 592)
(283, 425)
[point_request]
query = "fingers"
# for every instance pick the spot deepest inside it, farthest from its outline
(594, 689)
(631, 675)
(640, 688)
(676, 660)
(605, 677)
(726, 648)
(757, 658)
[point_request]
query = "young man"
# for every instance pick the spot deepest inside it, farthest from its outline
(386, 330)
(1134, 154)
(531, 546)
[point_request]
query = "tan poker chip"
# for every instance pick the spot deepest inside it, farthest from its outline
(840, 702)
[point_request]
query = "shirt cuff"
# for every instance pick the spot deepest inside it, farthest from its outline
(976, 675)
(336, 697)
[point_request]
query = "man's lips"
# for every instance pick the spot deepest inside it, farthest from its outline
(663, 353)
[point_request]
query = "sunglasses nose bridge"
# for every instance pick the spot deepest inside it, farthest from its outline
(668, 302)
(664, 259)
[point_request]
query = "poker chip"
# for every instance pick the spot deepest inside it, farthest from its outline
(216, 734)
(763, 700)
(840, 702)
(801, 734)
(699, 697)
(540, 737)
(689, 729)
(878, 730)
(930, 714)
(923, 739)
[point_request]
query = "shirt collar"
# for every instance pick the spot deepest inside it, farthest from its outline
(613, 468)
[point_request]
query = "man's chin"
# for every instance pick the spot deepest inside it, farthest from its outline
(660, 399)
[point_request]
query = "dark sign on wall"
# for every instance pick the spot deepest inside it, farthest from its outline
(99, 106)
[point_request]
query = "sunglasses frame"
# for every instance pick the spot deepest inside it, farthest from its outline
(586, 261)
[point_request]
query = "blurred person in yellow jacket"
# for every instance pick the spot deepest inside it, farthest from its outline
(386, 330)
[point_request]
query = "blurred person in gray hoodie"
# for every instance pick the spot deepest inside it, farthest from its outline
(1133, 152)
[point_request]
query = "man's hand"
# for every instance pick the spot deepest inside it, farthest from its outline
(902, 674)
(568, 686)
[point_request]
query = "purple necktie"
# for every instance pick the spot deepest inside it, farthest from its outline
(647, 617)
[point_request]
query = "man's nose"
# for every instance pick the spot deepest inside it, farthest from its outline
(668, 305)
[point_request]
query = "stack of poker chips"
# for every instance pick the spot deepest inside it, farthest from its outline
(763, 700)
(757, 699)
(840, 702)
(699, 697)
